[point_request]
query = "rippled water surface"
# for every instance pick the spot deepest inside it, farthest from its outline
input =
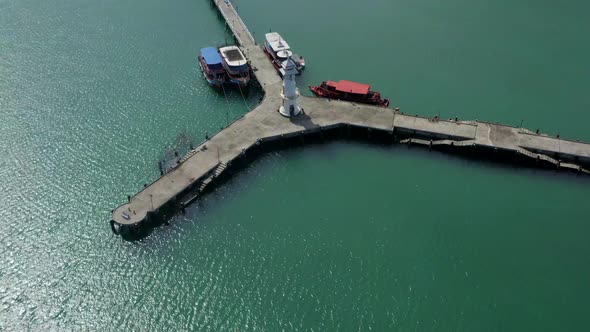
(340, 236)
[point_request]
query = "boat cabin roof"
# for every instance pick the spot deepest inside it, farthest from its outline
(211, 55)
(233, 56)
(284, 54)
(276, 42)
(350, 87)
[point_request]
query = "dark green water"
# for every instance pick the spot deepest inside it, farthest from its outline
(334, 237)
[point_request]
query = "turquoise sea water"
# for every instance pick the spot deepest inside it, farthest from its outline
(340, 236)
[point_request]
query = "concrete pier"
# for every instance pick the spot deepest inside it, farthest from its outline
(264, 125)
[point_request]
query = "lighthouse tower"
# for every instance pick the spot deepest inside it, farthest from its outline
(290, 91)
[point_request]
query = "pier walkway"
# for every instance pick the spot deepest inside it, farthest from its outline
(265, 124)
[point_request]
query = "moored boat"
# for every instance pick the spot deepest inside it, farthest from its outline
(278, 51)
(212, 67)
(236, 65)
(349, 91)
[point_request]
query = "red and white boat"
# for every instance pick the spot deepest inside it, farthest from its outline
(349, 91)
(278, 51)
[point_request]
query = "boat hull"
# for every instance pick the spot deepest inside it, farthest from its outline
(321, 92)
(215, 78)
(240, 82)
(239, 79)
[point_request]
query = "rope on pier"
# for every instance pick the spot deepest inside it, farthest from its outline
(227, 100)
(244, 98)
(228, 107)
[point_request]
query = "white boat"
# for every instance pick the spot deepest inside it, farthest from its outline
(236, 65)
(279, 52)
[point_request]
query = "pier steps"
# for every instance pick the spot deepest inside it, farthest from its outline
(220, 168)
(215, 173)
(448, 142)
(469, 122)
(527, 131)
(540, 157)
(188, 155)
(470, 143)
(553, 161)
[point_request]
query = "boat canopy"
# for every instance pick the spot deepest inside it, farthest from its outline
(276, 42)
(350, 87)
(211, 56)
(233, 56)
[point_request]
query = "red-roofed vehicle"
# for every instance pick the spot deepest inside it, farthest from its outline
(349, 91)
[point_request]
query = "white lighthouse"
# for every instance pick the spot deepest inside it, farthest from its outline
(290, 91)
